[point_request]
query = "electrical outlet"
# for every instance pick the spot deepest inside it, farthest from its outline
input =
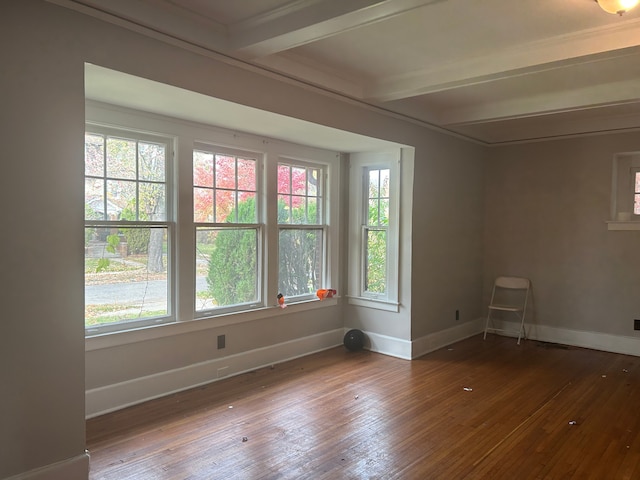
(222, 340)
(636, 324)
(457, 314)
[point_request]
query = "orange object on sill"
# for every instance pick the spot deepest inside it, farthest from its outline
(281, 301)
(325, 293)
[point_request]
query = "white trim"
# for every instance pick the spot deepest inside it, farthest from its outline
(374, 303)
(409, 350)
(434, 341)
(392, 346)
(125, 337)
(580, 338)
(75, 468)
(113, 397)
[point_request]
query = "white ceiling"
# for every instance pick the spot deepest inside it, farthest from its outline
(495, 71)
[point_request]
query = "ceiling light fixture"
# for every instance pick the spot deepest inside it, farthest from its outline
(617, 6)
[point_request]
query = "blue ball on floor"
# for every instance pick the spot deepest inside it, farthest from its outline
(354, 340)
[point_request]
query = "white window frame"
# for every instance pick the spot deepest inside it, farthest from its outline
(259, 226)
(322, 225)
(635, 171)
(625, 167)
(359, 166)
(168, 223)
(186, 135)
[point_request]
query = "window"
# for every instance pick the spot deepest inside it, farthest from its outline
(127, 230)
(236, 218)
(374, 229)
(301, 229)
(636, 190)
(228, 232)
(625, 194)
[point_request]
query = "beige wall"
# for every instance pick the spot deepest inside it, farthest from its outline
(41, 331)
(448, 209)
(546, 208)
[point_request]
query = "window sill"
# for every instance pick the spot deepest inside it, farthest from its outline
(113, 339)
(630, 225)
(373, 303)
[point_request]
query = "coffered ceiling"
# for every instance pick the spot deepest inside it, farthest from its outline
(495, 71)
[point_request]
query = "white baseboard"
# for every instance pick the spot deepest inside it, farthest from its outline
(76, 468)
(392, 346)
(434, 341)
(408, 350)
(113, 397)
(578, 338)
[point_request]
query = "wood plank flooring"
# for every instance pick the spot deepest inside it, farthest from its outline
(475, 410)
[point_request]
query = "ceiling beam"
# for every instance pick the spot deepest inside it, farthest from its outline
(307, 21)
(568, 100)
(586, 46)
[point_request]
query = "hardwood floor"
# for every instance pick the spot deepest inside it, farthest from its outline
(475, 410)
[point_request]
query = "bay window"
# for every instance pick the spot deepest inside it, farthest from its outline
(237, 219)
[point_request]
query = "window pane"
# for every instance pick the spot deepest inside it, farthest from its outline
(123, 196)
(226, 267)
(247, 174)
(298, 181)
(284, 209)
(384, 183)
(125, 274)
(284, 179)
(121, 158)
(376, 261)
(247, 212)
(300, 257)
(94, 208)
(152, 161)
(313, 213)
(374, 183)
(202, 169)
(152, 202)
(384, 212)
(225, 206)
(312, 182)
(299, 210)
(225, 172)
(203, 204)
(373, 213)
(94, 155)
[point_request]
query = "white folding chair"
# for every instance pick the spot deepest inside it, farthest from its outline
(510, 294)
